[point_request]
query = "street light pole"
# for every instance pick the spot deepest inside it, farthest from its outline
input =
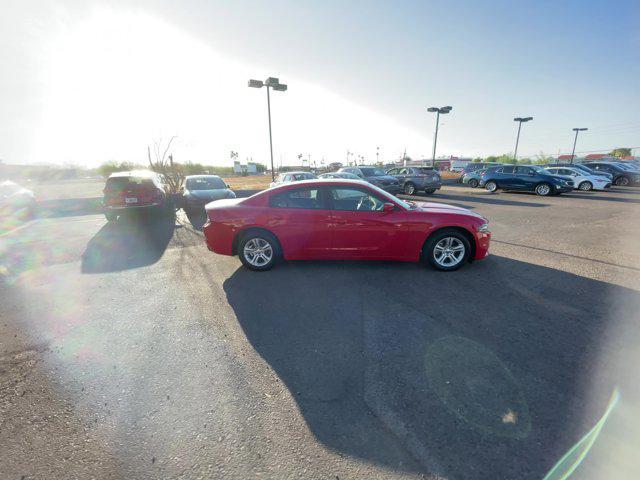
(443, 110)
(519, 120)
(273, 174)
(575, 140)
(274, 83)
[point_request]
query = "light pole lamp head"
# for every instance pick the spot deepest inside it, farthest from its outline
(580, 129)
(272, 82)
(432, 109)
(446, 109)
(256, 83)
(281, 87)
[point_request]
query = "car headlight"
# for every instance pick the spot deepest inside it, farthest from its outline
(484, 228)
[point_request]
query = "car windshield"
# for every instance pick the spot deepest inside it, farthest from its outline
(372, 172)
(205, 183)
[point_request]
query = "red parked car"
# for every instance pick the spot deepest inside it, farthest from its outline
(135, 191)
(343, 220)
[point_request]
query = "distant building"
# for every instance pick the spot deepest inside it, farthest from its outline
(249, 167)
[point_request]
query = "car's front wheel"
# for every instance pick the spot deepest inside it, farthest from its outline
(491, 186)
(409, 188)
(585, 186)
(473, 183)
(544, 189)
(258, 251)
(446, 250)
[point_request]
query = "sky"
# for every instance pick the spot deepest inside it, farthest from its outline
(84, 82)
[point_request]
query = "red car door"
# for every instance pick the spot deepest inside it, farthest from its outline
(301, 220)
(360, 227)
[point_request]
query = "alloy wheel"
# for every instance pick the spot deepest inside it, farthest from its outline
(543, 189)
(258, 252)
(448, 252)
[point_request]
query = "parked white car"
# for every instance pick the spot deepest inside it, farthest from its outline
(581, 180)
(292, 177)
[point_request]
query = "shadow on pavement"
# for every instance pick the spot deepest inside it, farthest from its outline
(129, 242)
(488, 372)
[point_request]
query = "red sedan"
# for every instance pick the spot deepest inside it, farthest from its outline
(343, 220)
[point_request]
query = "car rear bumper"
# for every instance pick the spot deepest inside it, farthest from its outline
(427, 185)
(218, 237)
(123, 208)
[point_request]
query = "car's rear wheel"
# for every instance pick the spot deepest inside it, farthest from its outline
(491, 186)
(409, 188)
(258, 251)
(543, 189)
(585, 186)
(473, 183)
(446, 250)
(622, 181)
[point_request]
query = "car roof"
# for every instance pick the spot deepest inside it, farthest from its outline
(296, 172)
(134, 173)
(188, 177)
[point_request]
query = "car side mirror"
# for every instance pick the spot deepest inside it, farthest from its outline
(388, 207)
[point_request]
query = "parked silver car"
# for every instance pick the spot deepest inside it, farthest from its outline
(292, 177)
(415, 179)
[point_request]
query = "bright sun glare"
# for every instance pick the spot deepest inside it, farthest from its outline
(118, 81)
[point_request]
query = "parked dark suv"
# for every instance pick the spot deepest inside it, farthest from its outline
(621, 177)
(474, 166)
(531, 178)
(413, 179)
(135, 191)
(375, 176)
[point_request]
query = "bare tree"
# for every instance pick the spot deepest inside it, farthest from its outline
(163, 164)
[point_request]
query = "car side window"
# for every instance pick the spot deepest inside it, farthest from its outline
(393, 171)
(404, 171)
(507, 170)
(355, 199)
(523, 171)
(304, 198)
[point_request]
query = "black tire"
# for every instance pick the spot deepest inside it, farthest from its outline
(429, 250)
(110, 216)
(430, 191)
(261, 238)
(491, 186)
(409, 188)
(585, 186)
(473, 183)
(544, 189)
(621, 181)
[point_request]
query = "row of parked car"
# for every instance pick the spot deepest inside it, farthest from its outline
(407, 180)
(551, 179)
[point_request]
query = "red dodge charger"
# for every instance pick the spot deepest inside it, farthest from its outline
(343, 220)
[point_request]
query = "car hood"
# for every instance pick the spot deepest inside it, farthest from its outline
(431, 207)
(208, 195)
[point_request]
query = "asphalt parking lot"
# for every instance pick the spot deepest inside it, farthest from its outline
(129, 351)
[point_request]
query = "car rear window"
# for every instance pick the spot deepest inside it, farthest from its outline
(305, 198)
(119, 183)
